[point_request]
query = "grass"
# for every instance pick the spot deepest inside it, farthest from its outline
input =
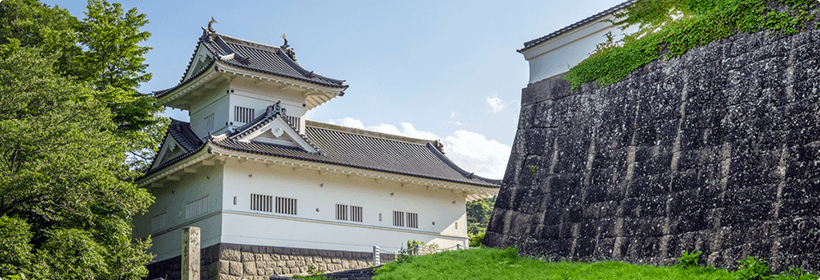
(489, 263)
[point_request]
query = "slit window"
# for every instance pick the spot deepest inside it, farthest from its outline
(286, 205)
(260, 202)
(242, 114)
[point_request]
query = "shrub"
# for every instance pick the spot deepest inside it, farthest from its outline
(689, 260)
(753, 269)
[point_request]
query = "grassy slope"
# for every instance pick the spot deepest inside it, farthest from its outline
(488, 263)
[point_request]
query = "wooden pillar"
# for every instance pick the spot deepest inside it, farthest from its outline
(190, 253)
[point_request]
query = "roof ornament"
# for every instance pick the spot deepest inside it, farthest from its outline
(287, 49)
(439, 146)
(210, 32)
(211, 24)
(276, 108)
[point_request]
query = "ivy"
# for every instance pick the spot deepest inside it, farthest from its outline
(670, 28)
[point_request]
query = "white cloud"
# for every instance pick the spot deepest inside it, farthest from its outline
(349, 122)
(496, 103)
(469, 150)
(411, 131)
(385, 128)
(475, 153)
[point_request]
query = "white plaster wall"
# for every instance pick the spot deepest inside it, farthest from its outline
(559, 54)
(217, 103)
(172, 199)
(320, 230)
(259, 97)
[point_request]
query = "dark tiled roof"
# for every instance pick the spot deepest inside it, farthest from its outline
(356, 148)
(185, 136)
(255, 57)
(532, 43)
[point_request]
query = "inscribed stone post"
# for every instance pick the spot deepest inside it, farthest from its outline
(190, 253)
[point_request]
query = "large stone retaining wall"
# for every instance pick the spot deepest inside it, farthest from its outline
(716, 151)
(235, 262)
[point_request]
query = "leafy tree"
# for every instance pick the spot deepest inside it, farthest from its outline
(103, 50)
(478, 215)
(67, 202)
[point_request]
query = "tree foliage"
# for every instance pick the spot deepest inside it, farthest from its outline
(669, 28)
(69, 116)
(478, 215)
(103, 50)
(66, 206)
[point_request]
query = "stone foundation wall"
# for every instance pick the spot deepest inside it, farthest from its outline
(235, 262)
(716, 151)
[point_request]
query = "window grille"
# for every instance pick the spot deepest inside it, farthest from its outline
(356, 213)
(341, 212)
(196, 208)
(398, 218)
(286, 205)
(158, 222)
(260, 202)
(413, 220)
(242, 114)
(208, 123)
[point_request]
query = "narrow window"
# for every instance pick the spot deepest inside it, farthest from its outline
(341, 212)
(208, 123)
(234, 200)
(356, 213)
(380, 217)
(196, 208)
(260, 202)
(412, 220)
(286, 205)
(242, 114)
(456, 225)
(398, 218)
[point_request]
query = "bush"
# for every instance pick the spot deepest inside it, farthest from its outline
(475, 240)
(753, 269)
(689, 260)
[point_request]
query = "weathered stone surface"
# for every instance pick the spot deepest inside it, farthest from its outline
(716, 151)
(236, 268)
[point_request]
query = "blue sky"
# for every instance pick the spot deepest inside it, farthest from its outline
(430, 69)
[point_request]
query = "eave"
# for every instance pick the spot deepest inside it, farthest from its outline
(315, 95)
(471, 192)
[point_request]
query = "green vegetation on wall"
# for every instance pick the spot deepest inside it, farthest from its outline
(671, 27)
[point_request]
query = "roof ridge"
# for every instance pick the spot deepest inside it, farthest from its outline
(366, 133)
(250, 44)
(532, 43)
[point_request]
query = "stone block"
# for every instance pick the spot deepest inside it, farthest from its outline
(249, 268)
(231, 252)
(247, 256)
(236, 268)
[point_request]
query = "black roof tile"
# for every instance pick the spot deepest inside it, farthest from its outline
(255, 57)
(348, 147)
(533, 43)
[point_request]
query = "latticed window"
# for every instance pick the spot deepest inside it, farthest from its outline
(398, 218)
(196, 208)
(260, 202)
(158, 222)
(286, 205)
(208, 123)
(356, 213)
(413, 220)
(341, 212)
(242, 114)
